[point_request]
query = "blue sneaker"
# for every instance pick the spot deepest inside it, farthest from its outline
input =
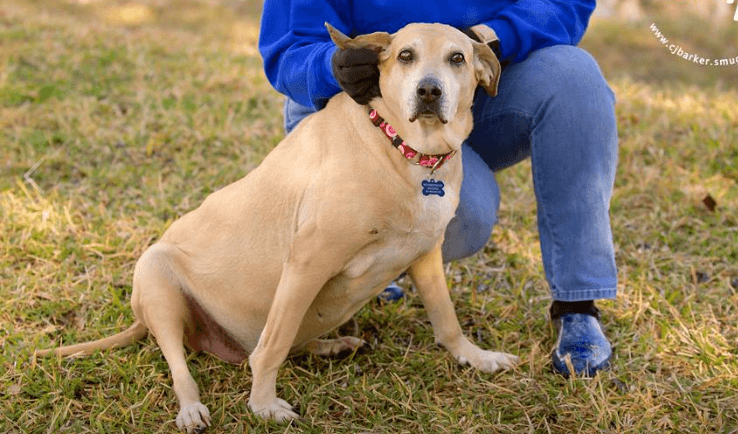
(580, 338)
(392, 292)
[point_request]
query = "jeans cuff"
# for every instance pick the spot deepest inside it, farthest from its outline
(585, 294)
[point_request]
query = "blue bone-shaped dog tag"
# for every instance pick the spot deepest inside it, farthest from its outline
(431, 186)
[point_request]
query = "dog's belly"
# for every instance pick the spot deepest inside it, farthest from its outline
(364, 277)
(220, 322)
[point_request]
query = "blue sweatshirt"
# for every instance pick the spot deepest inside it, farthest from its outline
(297, 50)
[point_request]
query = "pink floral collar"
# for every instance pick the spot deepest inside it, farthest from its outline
(433, 162)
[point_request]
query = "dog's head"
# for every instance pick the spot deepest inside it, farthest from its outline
(428, 71)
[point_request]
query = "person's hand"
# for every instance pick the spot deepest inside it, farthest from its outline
(357, 73)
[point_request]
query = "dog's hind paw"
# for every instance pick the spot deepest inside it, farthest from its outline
(332, 347)
(491, 361)
(193, 418)
(278, 410)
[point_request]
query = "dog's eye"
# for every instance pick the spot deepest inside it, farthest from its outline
(457, 58)
(405, 56)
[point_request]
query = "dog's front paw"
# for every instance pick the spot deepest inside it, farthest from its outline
(490, 361)
(278, 410)
(193, 418)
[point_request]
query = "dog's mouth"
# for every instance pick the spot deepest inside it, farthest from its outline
(428, 112)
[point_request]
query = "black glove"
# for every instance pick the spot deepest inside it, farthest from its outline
(482, 33)
(357, 73)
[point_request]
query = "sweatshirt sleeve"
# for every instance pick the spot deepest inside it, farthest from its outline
(297, 50)
(528, 25)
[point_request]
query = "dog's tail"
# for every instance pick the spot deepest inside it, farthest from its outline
(133, 333)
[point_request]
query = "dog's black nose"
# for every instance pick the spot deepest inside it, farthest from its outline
(429, 91)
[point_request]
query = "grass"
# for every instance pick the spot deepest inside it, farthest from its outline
(137, 111)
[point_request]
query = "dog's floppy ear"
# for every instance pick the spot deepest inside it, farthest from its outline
(486, 67)
(374, 41)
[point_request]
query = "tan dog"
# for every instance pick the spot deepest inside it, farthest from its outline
(290, 252)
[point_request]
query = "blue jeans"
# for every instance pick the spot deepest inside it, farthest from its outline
(556, 108)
